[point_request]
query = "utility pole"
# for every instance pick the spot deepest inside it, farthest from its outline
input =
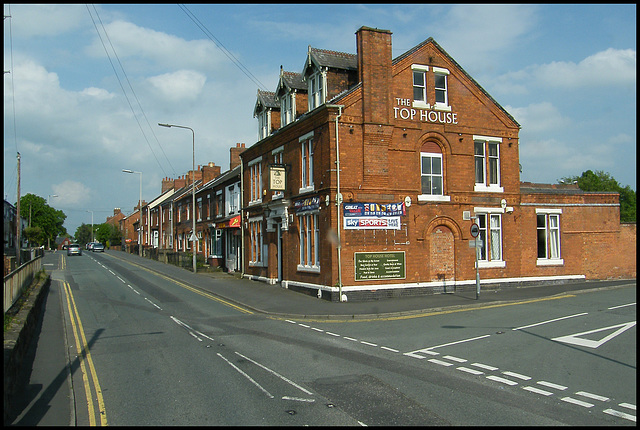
(18, 220)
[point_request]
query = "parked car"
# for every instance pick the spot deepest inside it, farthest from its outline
(97, 247)
(74, 249)
(89, 246)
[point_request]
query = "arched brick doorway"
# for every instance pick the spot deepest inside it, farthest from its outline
(442, 259)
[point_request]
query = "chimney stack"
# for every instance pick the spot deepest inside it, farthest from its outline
(234, 159)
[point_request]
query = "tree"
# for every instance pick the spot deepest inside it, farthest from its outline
(45, 222)
(83, 234)
(602, 181)
(108, 234)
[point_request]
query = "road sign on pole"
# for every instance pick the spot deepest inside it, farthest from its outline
(475, 230)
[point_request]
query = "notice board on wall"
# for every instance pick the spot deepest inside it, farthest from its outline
(379, 265)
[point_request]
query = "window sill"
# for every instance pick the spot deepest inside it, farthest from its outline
(550, 262)
(307, 189)
(488, 189)
(309, 269)
(256, 264)
(491, 264)
(442, 107)
(421, 105)
(432, 198)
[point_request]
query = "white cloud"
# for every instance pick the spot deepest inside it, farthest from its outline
(32, 20)
(180, 85)
(539, 117)
(98, 93)
(71, 193)
(605, 68)
(138, 43)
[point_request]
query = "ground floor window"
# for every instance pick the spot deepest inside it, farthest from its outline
(548, 236)
(309, 242)
(491, 236)
(255, 245)
(216, 243)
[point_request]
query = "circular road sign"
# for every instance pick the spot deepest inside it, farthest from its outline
(475, 230)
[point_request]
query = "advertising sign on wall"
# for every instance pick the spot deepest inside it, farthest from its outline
(372, 223)
(379, 265)
(374, 209)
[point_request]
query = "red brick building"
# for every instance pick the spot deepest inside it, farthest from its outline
(370, 179)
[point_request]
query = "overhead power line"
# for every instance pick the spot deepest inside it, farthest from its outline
(219, 44)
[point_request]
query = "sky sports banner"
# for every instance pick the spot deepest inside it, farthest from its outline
(372, 223)
(374, 209)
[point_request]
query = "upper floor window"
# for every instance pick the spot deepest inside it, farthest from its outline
(487, 163)
(233, 199)
(440, 84)
(264, 124)
(420, 85)
(316, 90)
(218, 204)
(287, 112)
(199, 209)
(306, 167)
(431, 174)
(548, 232)
(255, 180)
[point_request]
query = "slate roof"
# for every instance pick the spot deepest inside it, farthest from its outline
(291, 80)
(331, 59)
(265, 100)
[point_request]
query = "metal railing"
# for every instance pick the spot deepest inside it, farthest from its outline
(19, 279)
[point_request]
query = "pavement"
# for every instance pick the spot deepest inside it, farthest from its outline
(46, 397)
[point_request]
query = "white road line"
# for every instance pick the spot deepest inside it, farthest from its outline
(454, 343)
(298, 399)
(440, 362)
(303, 325)
(204, 335)
(459, 360)
(552, 385)
(332, 334)
(411, 354)
(620, 414)
(317, 329)
(368, 343)
(112, 272)
(592, 396)
(622, 306)
(517, 375)
(350, 338)
(501, 380)
(389, 349)
(577, 402)
(472, 371)
(292, 322)
(246, 376)
(628, 406)
(549, 321)
(538, 391)
(273, 372)
(484, 366)
(123, 281)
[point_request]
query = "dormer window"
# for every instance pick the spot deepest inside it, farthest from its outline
(264, 124)
(287, 103)
(316, 90)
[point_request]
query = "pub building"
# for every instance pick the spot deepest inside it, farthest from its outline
(376, 177)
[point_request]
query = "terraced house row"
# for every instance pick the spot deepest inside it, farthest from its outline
(379, 177)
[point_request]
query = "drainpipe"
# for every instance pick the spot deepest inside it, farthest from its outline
(338, 203)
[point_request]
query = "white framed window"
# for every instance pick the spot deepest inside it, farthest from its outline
(255, 180)
(218, 204)
(199, 209)
(441, 88)
(486, 153)
(309, 235)
(278, 158)
(490, 253)
(255, 242)
(548, 237)
(264, 124)
(287, 108)
(232, 199)
(306, 164)
(216, 243)
(316, 90)
(419, 74)
(431, 174)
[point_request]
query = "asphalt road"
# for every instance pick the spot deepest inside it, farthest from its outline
(146, 349)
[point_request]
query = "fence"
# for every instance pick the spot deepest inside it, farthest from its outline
(19, 279)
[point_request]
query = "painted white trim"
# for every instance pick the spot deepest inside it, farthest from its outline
(481, 210)
(548, 211)
(440, 70)
(305, 137)
(255, 161)
(488, 189)
(487, 138)
(420, 67)
(550, 262)
(431, 198)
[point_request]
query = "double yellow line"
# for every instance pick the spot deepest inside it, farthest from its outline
(85, 355)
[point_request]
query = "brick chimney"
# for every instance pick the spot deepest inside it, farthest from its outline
(374, 72)
(167, 184)
(180, 182)
(234, 159)
(210, 172)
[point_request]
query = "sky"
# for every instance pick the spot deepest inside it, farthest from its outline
(85, 86)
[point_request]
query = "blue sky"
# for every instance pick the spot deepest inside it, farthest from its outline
(566, 73)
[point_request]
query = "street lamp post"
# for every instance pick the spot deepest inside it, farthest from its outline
(140, 211)
(193, 237)
(49, 204)
(91, 225)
